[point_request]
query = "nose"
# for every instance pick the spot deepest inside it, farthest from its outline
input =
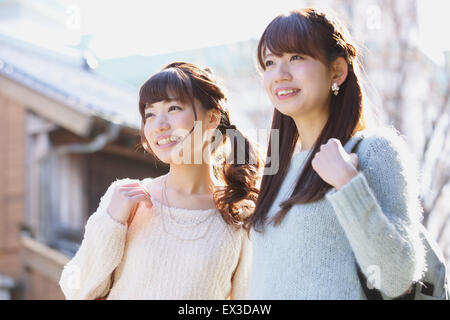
(282, 72)
(160, 124)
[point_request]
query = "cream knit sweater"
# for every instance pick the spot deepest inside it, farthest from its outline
(165, 253)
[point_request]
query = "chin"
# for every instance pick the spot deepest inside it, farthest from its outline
(173, 158)
(176, 154)
(289, 111)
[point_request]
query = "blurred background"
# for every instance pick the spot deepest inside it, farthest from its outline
(70, 72)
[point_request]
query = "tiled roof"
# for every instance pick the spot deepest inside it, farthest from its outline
(68, 81)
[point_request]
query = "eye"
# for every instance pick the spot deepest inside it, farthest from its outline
(148, 115)
(171, 108)
(268, 63)
(297, 57)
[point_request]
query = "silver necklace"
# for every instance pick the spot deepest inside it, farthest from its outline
(173, 219)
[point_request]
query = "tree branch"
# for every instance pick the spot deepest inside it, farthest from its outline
(440, 189)
(434, 122)
(442, 229)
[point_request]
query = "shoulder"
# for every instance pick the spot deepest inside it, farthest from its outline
(237, 234)
(153, 184)
(110, 190)
(383, 153)
(239, 237)
(383, 144)
(391, 170)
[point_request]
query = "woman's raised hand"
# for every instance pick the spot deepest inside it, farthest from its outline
(334, 165)
(125, 197)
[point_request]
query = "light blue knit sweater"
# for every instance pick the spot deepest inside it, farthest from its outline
(375, 217)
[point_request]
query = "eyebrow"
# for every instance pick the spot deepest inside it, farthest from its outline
(148, 106)
(268, 55)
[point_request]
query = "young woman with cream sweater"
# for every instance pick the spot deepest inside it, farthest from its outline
(178, 236)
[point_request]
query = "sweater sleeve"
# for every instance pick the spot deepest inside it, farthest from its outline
(88, 274)
(380, 214)
(241, 278)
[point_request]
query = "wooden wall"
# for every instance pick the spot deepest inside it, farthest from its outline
(12, 184)
(34, 266)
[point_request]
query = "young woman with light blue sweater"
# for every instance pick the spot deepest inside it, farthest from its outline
(328, 210)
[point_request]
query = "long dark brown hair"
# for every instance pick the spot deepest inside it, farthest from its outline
(311, 33)
(186, 83)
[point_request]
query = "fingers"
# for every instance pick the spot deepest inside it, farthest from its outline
(131, 184)
(146, 191)
(130, 189)
(354, 159)
(135, 192)
(141, 197)
(127, 189)
(316, 162)
(132, 214)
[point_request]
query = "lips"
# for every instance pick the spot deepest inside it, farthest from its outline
(286, 92)
(283, 93)
(167, 140)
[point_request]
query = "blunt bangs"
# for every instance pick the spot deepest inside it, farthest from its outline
(291, 33)
(167, 85)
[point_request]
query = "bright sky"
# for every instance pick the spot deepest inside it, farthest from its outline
(434, 23)
(130, 27)
(149, 27)
(152, 27)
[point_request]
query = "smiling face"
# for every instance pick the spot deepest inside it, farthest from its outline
(297, 84)
(168, 126)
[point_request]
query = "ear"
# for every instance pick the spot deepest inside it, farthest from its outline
(213, 119)
(339, 71)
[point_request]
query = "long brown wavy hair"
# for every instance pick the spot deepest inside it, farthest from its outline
(186, 83)
(311, 33)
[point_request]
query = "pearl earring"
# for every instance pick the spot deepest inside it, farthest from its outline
(335, 88)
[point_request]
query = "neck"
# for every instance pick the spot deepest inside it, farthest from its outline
(190, 179)
(309, 128)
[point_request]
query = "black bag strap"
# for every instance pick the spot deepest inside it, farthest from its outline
(358, 141)
(374, 294)
(371, 294)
